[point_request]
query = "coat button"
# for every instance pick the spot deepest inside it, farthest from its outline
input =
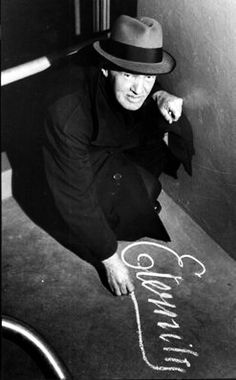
(117, 176)
(157, 208)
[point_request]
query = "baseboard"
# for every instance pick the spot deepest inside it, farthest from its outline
(6, 184)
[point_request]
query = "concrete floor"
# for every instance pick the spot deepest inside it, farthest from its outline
(95, 333)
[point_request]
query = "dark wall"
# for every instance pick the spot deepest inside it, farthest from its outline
(34, 28)
(31, 29)
(117, 7)
(201, 36)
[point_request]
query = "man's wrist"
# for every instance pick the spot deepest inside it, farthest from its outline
(111, 259)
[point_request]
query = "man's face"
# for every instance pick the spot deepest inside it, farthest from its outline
(131, 90)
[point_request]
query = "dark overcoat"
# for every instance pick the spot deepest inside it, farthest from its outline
(93, 153)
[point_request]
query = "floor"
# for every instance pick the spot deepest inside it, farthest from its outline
(179, 324)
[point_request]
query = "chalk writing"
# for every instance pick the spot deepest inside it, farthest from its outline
(164, 305)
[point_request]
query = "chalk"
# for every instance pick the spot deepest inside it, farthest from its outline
(176, 360)
(183, 350)
(165, 248)
(170, 113)
(151, 281)
(141, 345)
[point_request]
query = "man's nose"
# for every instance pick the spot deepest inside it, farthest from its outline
(137, 86)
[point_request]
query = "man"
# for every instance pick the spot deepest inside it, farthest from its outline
(104, 147)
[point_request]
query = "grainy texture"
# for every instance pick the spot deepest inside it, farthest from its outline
(61, 296)
(201, 36)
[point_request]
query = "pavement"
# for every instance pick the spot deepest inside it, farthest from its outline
(179, 324)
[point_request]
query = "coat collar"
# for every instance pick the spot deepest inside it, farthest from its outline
(113, 123)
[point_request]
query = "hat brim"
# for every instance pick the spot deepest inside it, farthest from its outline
(167, 64)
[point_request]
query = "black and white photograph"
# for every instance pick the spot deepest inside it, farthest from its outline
(118, 189)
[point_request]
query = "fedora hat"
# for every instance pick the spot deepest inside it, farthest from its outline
(135, 44)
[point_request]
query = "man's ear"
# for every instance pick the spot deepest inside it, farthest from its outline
(105, 72)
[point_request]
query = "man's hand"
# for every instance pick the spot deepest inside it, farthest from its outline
(118, 275)
(169, 105)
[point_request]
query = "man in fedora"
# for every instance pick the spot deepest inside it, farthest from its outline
(104, 148)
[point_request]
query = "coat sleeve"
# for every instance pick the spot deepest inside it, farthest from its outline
(181, 143)
(180, 148)
(70, 178)
(156, 87)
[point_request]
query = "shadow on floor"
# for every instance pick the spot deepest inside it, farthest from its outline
(31, 192)
(24, 105)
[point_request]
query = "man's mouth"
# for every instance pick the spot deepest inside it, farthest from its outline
(134, 99)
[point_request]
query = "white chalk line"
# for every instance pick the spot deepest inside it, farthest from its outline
(179, 258)
(141, 345)
(137, 313)
(183, 350)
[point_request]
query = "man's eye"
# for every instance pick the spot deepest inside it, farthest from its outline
(149, 77)
(127, 75)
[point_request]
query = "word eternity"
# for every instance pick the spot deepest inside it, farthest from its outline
(152, 281)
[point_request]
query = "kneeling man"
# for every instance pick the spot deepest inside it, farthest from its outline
(104, 148)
